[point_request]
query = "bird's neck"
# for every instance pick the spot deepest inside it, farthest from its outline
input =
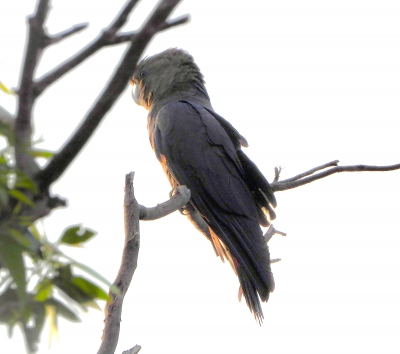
(197, 93)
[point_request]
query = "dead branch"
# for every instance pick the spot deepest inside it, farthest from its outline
(134, 350)
(155, 23)
(132, 213)
(126, 270)
(178, 200)
(301, 179)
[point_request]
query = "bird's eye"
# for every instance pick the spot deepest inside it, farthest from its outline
(143, 74)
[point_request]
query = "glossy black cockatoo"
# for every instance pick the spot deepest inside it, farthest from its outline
(230, 198)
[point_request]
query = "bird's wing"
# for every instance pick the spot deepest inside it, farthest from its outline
(198, 152)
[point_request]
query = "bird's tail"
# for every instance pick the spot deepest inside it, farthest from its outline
(248, 285)
(250, 293)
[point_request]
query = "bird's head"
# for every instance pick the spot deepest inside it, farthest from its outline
(167, 75)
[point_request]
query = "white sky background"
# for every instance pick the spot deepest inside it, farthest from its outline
(306, 82)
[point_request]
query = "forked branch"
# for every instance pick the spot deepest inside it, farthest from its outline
(309, 176)
(155, 23)
(132, 213)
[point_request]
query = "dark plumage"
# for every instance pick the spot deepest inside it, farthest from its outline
(198, 148)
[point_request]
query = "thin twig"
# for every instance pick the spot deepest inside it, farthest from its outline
(310, 172)
(65, 34)
(127, 269)
(278, 171)
(106, 100)
(128, 36)
(106, 38)
(177, 201)
(122, 17)
(284, 185)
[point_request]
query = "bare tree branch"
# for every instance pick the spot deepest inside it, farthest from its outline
(106, 100)
(23, 126)
(122, 17)
(128, 36)
(277, 171)
(65, 34)
(126, 270)
(133, 350)
(310, 172)
(177, 201)
(298, 180)
(132, 213)
(107, 37)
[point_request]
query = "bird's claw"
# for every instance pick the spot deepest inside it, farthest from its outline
(271, 232)
(181, 190)
(268, 235)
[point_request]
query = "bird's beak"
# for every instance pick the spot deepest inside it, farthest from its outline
(136, 93)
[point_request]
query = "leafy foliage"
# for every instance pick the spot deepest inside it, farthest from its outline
(37, 280)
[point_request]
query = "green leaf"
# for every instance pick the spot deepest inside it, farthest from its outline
(97, 275)
(35, 232)
(5, 89)
(11, 257)
(76, 234)
(25, 182)
(9, 307)
(3, 160)
(46, 154)
(21, 197)
(45, 291)
(90, 288)
(34, 329)
(17, 235)
(64, 281)
(63, 311)
(65, 272)
(3, 197)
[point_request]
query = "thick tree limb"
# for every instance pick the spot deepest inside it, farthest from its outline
(301, 179)
(126, 270)
(23, 126)
(106, 100)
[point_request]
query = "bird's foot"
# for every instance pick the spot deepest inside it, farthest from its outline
(271, 232)
(181, 190)
(267, 237)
